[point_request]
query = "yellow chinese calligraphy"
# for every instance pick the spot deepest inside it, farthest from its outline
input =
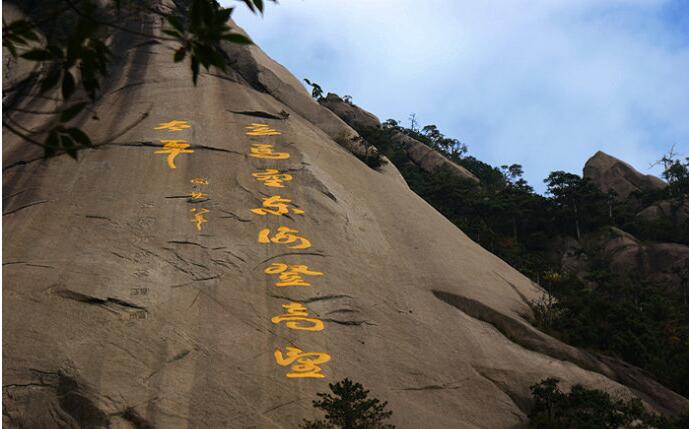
(199, 181)
(198, 217)
(298, 313)
(173, 126)
(291, 275)
(173, 148)
(198, 196)
(261, 130)
(304, 364)
(265, 151)
(276, 205)
(272, 177)
(284, 235)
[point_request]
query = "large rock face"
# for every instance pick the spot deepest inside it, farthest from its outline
(426, 158)
(145, 286)
(353, 115)
(674, 211)
(612, 174)
(659, 262)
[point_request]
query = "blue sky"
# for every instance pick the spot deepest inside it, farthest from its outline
(542, 83)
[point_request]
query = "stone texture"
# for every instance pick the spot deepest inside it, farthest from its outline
(655, 261)
(612, 174)
(420, 154)
(352, 114)
(675, 211)
(430, 160)
(422, 315)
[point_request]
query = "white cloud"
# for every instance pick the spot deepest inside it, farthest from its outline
(543, 83)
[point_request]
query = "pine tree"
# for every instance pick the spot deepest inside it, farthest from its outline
(349, 407)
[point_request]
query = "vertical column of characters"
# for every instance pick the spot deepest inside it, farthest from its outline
(295, 315)
(175, 147)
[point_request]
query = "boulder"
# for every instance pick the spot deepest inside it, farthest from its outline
(674, 211)
(429, 159)
(612, 174)
(355, 116)
(426, 158)
(658, 262)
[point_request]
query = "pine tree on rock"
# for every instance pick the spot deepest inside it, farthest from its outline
(349, 407)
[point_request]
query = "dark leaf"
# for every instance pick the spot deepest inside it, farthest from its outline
(237, 38)
(25, 29)
(179, 54)
(51, 79)
(56, 51)
(194, 69)
(173, 33)
(224, 15)
(68, 85)
(176, 23)
(51, 144)
(250, 5)
(80, 137)
(69, 113)
(67, 144)
(38, 55)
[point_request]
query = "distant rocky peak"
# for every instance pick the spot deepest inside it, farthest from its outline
(612, 174)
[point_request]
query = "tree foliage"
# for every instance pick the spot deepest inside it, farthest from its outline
(590, 409)
(67, 42)
(349, 407)
(316, 90)
(643, 323)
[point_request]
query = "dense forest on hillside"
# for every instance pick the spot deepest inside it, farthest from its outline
(636, 319)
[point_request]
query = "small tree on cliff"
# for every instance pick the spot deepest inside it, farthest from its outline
(349, 408)
(316, 90)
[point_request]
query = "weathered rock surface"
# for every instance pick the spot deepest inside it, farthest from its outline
(352, 114)
(420, 154)
(429, 159)
(612, 174)
(120, 311)
(658, 262)
(675, 211)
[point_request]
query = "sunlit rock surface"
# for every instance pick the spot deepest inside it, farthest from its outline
(136, 295)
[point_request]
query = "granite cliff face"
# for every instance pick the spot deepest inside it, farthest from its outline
(222, 284)
(612, 174)
(426, 158)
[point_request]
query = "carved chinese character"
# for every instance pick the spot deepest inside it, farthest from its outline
(304, 364)
(173, 126)
(173, 148)
(261, 130)
(198, 217)
(291, 275)
(276, 205)
(284, 235)
(199, 181)
(195, 196)
(272, 177)
(265, 151)
(138, 314)
(297, 313)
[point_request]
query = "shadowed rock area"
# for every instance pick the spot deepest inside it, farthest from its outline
(124, 309)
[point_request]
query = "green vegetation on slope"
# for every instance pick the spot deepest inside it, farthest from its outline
(631, 318)
(591, 409)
